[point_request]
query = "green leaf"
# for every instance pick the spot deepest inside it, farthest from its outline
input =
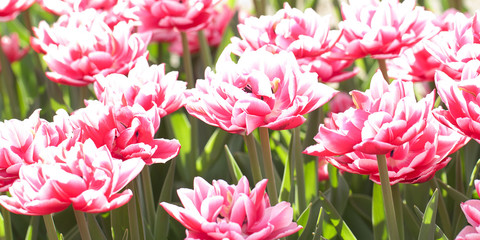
(32, 231)
(428, 229)
(212, 150)
(310, 225)
(339, 191)
(233, 167)
(286, 187)
(341, 227)
(162, 217)
(179, 126)
(95, 231)
(378, 214)
(319, 228)
(119, 221)
(362, 203)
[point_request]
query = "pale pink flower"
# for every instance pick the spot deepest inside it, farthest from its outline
(81, 45)
(11, 47)
(9, 9)
(171, 15)
(261, 90)
(382, 29)
(145, 85)
(461, 100)
(21, 143)
(213, 32)
(388, 121)
(222, 211)
(471, 209)
(62, 7)
(84, 176)
(127, 131)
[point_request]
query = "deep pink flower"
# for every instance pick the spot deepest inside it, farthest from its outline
(322, 169)
(262, 90)
(170, 15)
(458, 46)
(11, 47)
(222, 211)
(61, 7)
(328, 69)
(213, 32)
(83, 175)
(471, 209)
(9, 9)
(21, 143)
(382, 29)
(461, 100)
(127, 131)
(81, 45)
(389, 121)
(145, 85)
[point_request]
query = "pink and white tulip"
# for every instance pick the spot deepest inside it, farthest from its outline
(9, 9)
(222, 211)
(471, 209)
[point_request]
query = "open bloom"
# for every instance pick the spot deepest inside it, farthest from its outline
(84, 176)
(461, 99)
(61, 7)
(145, 85)
(81, 45)
(222, 211)
(471, 209)
(9, 9)
(382, 29)
(261, 90)
(127, 131)
(11, 47)
(388, 121)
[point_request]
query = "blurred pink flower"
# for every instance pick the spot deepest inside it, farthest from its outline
(261, 90)
(9, 9)
(382, 29)
(81, 45)
(83, 175)
(21, 143)
(461, 100)
(127, 131)
(322, 169)
(221, 17)
(11, 47)
(145, 85)
(62, 7)
(167, 16)
(327, 68)
(222, 211)
(458, 46)
(471, 209)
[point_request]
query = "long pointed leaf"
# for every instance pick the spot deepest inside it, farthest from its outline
(342, 229)
(233, 167)
(428, 228)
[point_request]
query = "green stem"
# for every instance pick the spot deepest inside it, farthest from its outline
(82, 225)
(445, 223)
(161, 221)
(133, 213)
(311, 162)
(148, 195)
(268, 164)
(397, 201)
(297, 148)
(9, 81)
(7, 224)
(260, 6)
(205, 52)
(382, 64)
(387, 198)
(187, 61)
(252, 153)
(50, 226)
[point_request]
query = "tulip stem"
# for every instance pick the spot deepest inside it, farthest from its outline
(187, 61)
(205, 52)
(268, 164)
(252, 153)
(133, 213)
(50, 226)
(311, 173)
(7, 224)
(382, 64)
(297, 148)
(388, 203)
(148, 195)
(82, 225)
(161, 221)
(397, 201)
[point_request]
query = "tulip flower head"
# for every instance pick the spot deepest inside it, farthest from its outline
(222, 211)
(84, 176)
(61, 7)
(9, 9)
(261, 90)
(471, 209)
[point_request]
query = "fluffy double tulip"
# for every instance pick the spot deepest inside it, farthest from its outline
(81, 45)
(382, 29)
(262, 90)
(61, 7)
(471, 209)
(84, 176)
(21, 143)
(161, 17)
(388, 121)
(127, 131)
(9, 9)
(147, 86)
(461, 99)
(222, 211)
(460, 45)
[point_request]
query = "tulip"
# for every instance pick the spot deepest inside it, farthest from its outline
(81, 45)
(11, 47)
(471, 209)
(145, 85)
(84, 176)
(9, 9)
(222, 211)
(261, 90)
